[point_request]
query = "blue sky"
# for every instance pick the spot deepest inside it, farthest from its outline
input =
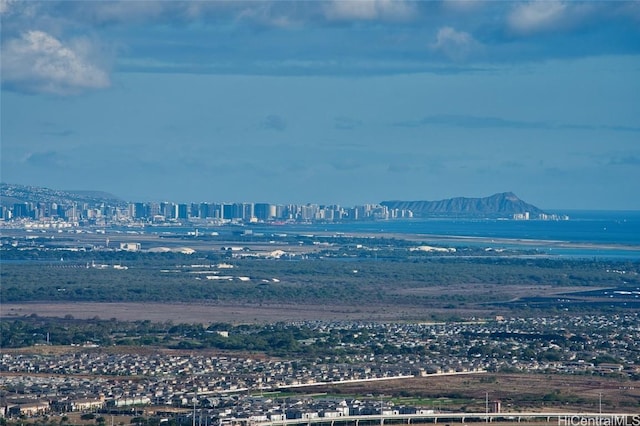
(342, 102)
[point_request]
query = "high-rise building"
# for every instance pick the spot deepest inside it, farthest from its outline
(264, 211)
(6, 213)
(182, 211)
(21, 210)
(168, 210)
(248, 211)
(203, 211)
(227, 211)
(139, 211)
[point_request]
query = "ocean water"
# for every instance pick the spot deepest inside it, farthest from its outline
(587, 234)
(583, 227)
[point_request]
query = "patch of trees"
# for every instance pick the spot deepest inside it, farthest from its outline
(311, 281)
(275, 339)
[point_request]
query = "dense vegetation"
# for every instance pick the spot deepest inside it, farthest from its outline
(273, 339)
(397, 280)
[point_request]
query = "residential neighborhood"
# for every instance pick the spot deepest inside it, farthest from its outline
(96, 379)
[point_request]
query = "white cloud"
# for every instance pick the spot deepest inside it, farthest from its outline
(13, 12)
(5, 6)
(463, 6)
(547, 16)
(630, 10)
(38, 62)
(123, 11)
(368, 10)
(537, 15)
(455, 45)
(269, 15)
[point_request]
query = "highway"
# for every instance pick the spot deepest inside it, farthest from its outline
(556, 418)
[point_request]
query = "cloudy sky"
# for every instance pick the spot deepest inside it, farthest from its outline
(325, 101)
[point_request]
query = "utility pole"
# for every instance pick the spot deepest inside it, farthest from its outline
(486, 405)
(600, 403)
(194, 409)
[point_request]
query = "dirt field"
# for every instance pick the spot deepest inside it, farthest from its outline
(235, 314)
(515, 391)
(241, 314)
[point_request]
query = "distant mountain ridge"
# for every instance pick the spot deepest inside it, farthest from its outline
(15, 193)
(504, 204)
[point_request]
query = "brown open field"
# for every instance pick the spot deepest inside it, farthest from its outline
(211, 312)
(223, 312)
(516, 391)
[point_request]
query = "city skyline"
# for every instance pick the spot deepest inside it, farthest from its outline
(330, 102)
(27, 202)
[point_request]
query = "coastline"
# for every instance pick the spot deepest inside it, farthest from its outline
(529, 242)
